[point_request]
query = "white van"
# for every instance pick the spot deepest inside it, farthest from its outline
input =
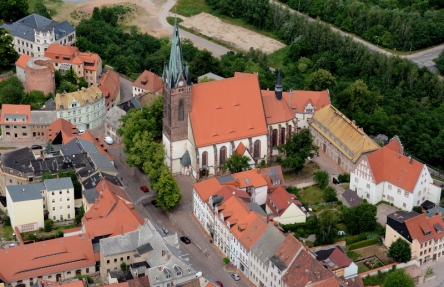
(81, 132)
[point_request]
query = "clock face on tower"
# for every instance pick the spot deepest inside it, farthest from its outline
(180, 84)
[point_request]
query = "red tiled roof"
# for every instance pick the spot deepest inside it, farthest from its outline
(288, 249)
(226, 110)
(47, 257)
(8, 109)
(387, 165)
(74, 229)
(110, 85)
(68, 130)
(240, 149)
(21, 62)
(282, 199)
(74, 55)
(418, 225)
(148, 81)
(254, 176)
(266, 175)
(340, 258)
(90, 58)
(276, 111)
(89, 137)
(299, 99)
(207, 188)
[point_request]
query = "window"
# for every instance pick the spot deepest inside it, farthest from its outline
(60, 192)
(52, 193)
(223, 155)
(87, 270)
(368, 185)
(53, 208)
(53, 201)
(127, 258)
(368, 195)
(54, 218)
(69, 215)
(69, 207)
(204, 159)
(67, 199)
(115, 260)
(282, 139)
(181, 110)
(24, 134)
(61, 207)
(61, 217)
(404, 205)
(121, 259)
(399, 191)
(23, 127)
(257, 149)
(61, 199)
(274, 136)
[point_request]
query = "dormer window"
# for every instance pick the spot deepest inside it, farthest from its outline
(178, 270)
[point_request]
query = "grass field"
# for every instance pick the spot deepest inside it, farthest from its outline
(362, 267)
(276, 59)
(311, 195)
(306, 173)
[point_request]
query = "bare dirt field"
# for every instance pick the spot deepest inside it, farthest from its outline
(378, 250)
(235, 36)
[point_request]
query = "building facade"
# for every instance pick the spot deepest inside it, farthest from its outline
(147, 82)
(112, 123)
(33, 34)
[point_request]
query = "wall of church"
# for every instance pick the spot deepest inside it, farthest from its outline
(278, 126)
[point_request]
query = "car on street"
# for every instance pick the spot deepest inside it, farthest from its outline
(235, 276)
(219, 284)
(11, 244)
(108, 140)
(144, 188)
(81, 132)
(185, 240)
(35, 146)
(165, 230)
(154, 202)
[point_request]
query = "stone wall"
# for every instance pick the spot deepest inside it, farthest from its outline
(40, 75)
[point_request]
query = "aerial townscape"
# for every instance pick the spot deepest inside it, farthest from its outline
(213, 143)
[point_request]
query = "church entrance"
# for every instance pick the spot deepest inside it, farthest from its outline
(203, 172)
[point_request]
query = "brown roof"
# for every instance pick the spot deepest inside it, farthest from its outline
(8, 109)
(282, 200)
(288, 249)
(276, 111)
(139, 282)
(89, 95)
(68, 130)
(354, 282)
(148, 81)
(21, 62)
(110, 85)
(300, 99)
(207, 188)
(339, 258)
(389, 165)
(227, 110)
(420, 224)
(75, 56)
(47, 257)
(269, 172)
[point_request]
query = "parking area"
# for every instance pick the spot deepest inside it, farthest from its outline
(383, 211)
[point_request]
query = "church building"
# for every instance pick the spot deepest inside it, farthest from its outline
(205, 123)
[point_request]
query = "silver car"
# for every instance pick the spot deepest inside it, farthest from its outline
(235, 276)
(165, 230)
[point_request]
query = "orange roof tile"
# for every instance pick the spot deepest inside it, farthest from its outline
(60, 51)
(9, 110)
(299, 99)
(387, 165)
(207, 188)
(340, 258)
(90, 58)
(74, 229)
(68, 130)
(110, 85)
(47, 257)
(266, 175)
(282, 200)
(276, 111)
(89, 137)
(226, 110)
(288, 249)
(240, 149)
(148, 81)
(21, 62)
(418, 225)
(253, 176)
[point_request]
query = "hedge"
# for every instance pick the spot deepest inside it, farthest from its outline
(363, 243)
(357, 238)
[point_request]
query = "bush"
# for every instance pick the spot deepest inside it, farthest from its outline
(417, 209)
(344, 177)
(321, 177)
(87, 277)
(353, 255)
(59, 233)
(329, 194)
(7, 221)
(226, 260)
(363, 243)
(357, 238)
(400, 251)
(48, 225)
(123, 267)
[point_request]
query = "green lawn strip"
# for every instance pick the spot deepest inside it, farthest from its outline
(311, 194)
(276, 59)
(362, 267)
(6, 232)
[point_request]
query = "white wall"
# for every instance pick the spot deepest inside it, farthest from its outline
(239, 255)
(292, 215)
(351, 270)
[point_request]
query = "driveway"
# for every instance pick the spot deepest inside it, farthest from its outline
(383, 211)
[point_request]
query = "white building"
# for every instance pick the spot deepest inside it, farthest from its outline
(387, 174)
(84, 108)
(147, 81)
(34, 33)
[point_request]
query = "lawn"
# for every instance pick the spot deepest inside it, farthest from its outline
(307, 172)
(6, 232)
(42, 235)
(276, 59)
(311, 194)
(362, 267)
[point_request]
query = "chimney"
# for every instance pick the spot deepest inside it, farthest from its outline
(410, 160)
(278, 86)
(121, 229)
(291, 96)
(163, 252)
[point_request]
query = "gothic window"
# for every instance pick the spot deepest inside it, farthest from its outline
(181, 110)
(223, 155)
(289, 131)
(282, 136)
(257, 149)
(204, 159)
(274, 138)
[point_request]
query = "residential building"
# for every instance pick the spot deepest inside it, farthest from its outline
(60, 131)
(387, 174)
(86, 65)
(112, 123)
(147, 82)
(20, 65)
(337, 261)
(85, 143)
(340, 138)
(33, 34)
(110, 86)
(84, 108)
(56, 259)
(424, 234)
(285, 207)
(59, 194)
(40, 121)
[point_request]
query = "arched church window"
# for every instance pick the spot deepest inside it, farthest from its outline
(223, 155)
(274, 138)
(181, 110)
(257, 149)
(282, 135)
(204, 159)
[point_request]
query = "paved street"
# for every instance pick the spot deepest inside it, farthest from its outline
(438, 267)
(20, 143)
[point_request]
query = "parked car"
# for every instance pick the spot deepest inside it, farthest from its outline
(11, 244)
(219, 284)
(235, 276)
(144, 188)
(81, 132)
(36, 147)
(108, 140)
(185, 240)
(165, 230)
(335, 180)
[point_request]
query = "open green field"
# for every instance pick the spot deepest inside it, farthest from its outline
(312, 194)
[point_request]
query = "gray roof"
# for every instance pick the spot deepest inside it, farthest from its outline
(54, 164)
(113, 116)
(58, 183)
(433, 211)
(351, 197)
(87, 146)
(19, 159)
(131, 241)
(43, 118)
(24, 28)
(102, 162)
(256, 208)
(225, 178)
(26, 192)
(90, 195)
(50, 105)
(71, 147)
(185, 160)
(402, 216)
(267, 245)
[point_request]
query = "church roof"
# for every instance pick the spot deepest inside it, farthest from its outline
(227, 110)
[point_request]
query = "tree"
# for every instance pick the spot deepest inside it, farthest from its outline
(66, 87)
(168, 192)
(330, 194)
(41, 10)
(440, 62)
(13, 10)
(226, 260)
(11, 91)
(297, 149)
(398, 278)
(321, 177)
(360, 218)
(237, 163)
(49, 147)
(80, 215)
(7, 221)
(326, 229)
(400, 251)
(7, 53)
(320, 80)
(97, 15)
(417, 209)
(123, 267)
(48, 225)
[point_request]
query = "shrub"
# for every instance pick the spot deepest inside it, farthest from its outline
(48, 225)
(357, 238)
(363, 243)
(400, 251)
(59, 233)
(7, 221)
(321, 177)
(226, 260)
(417, 209)
(87, 277)
(353, 255)
(344, 177)
(123, 267)
(329, 194)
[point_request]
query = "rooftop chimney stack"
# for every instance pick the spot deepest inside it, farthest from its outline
(278, 86)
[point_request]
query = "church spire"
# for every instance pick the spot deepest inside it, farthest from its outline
(175, 68)
(278, 86)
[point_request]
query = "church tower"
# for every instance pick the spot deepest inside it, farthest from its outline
(176, 93)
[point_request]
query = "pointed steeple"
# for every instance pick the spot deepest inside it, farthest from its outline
(175, 68)
(278, 86)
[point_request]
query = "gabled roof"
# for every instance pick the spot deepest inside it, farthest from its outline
(113, 115)
(276, 111)
(252, 177)
(267, 244)
(286, 252)
(15, 110)
(227, 110)
(21, 62)
(342, 133)
(207, 188)
(240, 149)
(43, 118)
(148, 81)
(351, 197)
(86, 96)
(282, 200)
(110, 85)
(67, 129)
(299, 99)
(340, 258)
(420, 225)
(394, 167)
(60, 53)
(272, 176)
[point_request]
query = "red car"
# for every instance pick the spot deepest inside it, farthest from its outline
(219, 284)
(144, 188)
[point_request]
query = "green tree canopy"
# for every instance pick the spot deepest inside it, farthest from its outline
(330, 194)
(41, 10)
(400, 251)
(297, 149)
(237, 163)
(13, 10)
(320, 80)
(7, 53)
(360, 218)
(321, 177)
(326, 229)
(398, 278)
(11, 91)
(168, 192)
